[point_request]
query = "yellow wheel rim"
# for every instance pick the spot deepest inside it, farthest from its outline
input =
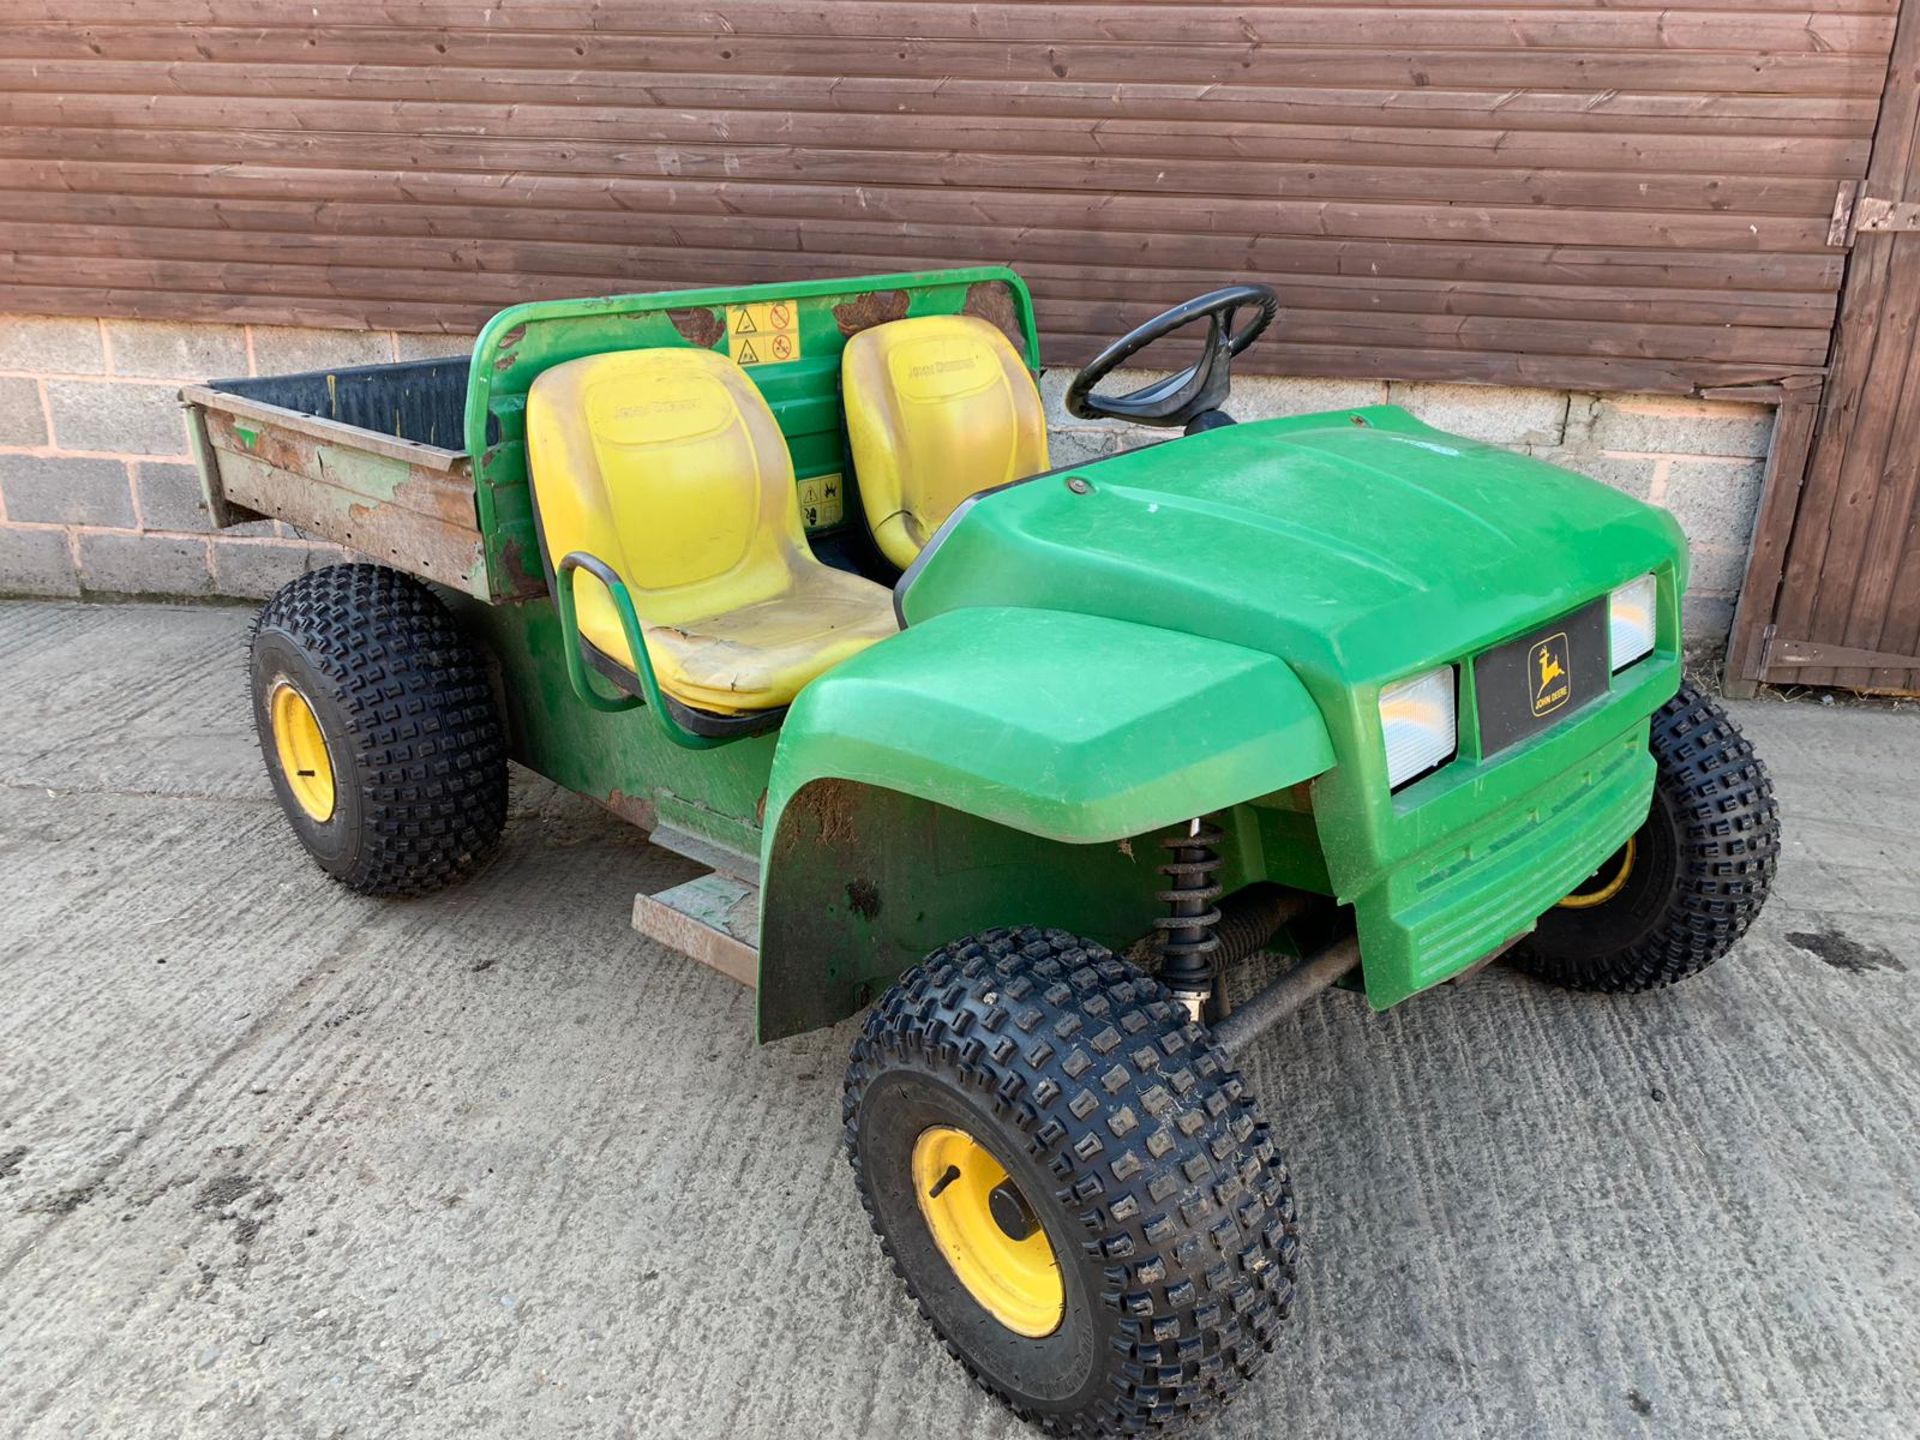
(1016, 1280)
(1610, 887)
(302, 749)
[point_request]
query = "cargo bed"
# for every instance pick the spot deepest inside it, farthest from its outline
(371, 457)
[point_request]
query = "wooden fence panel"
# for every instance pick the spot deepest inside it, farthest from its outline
(1843, 606)
(1582, 195)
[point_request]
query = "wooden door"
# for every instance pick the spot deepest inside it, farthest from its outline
(1833, 593)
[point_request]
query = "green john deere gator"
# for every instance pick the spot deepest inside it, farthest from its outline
(1028, 760)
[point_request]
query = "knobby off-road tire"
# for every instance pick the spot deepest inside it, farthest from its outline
(1133, 1145)
(412, 741)
(1689, 882)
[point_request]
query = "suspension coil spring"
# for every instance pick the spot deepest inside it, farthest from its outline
(1186, 940)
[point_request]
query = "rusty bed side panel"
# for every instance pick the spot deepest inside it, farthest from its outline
(405, 505)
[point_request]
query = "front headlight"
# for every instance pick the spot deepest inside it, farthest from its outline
(1630, 613)
(1417, 718)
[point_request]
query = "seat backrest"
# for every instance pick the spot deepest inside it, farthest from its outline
(668, 465)
(938, 408)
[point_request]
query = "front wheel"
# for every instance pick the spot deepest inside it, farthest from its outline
(1686, 885)
(1074, 1184)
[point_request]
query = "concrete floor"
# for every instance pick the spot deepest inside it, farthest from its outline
(279, 1161)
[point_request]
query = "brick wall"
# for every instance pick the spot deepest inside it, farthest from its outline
(98, 495)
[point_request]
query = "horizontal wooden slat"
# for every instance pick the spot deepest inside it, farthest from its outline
(82, 294)
(1744, 167)
(1297, 62)
(885, 203)
(304, 226)
(1235, 27)
(1197, 106)
(1580, 372)
(1788, 345)
(1785, 348)
(1739, 196)
(1535, 279)
(695, 263)
(1093, 208)
(1792, 654)
(574, 15)
(1585, 193)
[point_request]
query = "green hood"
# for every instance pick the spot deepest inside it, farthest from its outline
(1358, 546)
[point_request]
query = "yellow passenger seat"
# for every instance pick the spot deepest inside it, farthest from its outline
(668, 466)
(938, 408)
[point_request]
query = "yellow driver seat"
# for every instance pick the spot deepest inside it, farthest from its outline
(668, 466)
(938, 408)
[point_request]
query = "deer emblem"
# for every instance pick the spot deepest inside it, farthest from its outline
(1549, 668)
(1550, 691)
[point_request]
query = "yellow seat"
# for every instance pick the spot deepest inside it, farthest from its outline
(938, 408)
(668, 466)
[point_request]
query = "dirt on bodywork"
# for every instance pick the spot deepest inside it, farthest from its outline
(830, 805)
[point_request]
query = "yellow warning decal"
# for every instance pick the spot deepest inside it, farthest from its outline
(767, 332)
(821, 502)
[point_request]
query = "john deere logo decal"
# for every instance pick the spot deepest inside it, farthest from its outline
(1547, 662)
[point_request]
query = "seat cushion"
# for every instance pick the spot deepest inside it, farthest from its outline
(938, 408)
(758, 657)
(668, 465)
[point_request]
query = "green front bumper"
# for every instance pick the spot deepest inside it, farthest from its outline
(1440, 910)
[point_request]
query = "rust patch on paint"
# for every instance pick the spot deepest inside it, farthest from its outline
(272, 446)
(520, 577)
(863, 312)
(425, 496)
(698, 325)
(630, 808)
(503, 359)
(992, 301)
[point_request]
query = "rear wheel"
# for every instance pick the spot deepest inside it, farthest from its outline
(1686, 885)
(378, 726)
(1075, 1186)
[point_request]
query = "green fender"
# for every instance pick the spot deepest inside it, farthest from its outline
(967, 771)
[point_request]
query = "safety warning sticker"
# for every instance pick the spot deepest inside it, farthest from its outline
(821, 503)
(766, 332)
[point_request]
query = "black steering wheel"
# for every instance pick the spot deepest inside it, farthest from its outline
(1201, 387)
